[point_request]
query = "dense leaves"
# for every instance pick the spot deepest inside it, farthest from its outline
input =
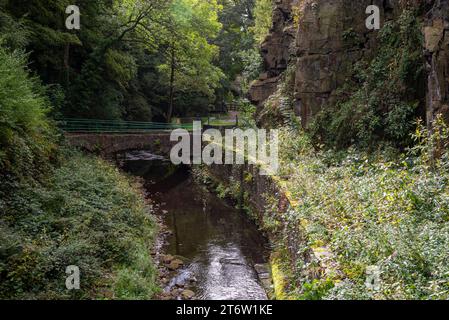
(26, 137)
(107, 68)
(263, 12)
(370, 211)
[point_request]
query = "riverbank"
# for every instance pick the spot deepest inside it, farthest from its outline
(61, 208)
(376, 222)
(86, 214)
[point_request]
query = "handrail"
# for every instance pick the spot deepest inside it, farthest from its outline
(114, 126)
(74, 125)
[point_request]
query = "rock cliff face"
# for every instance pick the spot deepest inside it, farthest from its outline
(275, 51)
(330, 37)
(324, 55)
(436, 34)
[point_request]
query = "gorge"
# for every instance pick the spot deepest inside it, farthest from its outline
(358, 207)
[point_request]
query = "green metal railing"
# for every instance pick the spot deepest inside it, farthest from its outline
(112, 126)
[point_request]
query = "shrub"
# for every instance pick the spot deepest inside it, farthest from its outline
(82, 213)
(26, 136)
(87, 215)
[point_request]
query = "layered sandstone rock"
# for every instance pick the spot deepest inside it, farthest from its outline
(436, 35)
(275, 51)
(331, 37)
(319, 48)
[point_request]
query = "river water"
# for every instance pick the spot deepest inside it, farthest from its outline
(219, 242)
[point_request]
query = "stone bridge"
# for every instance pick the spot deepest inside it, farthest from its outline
(107, 144)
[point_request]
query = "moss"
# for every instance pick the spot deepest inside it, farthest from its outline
(280, 278)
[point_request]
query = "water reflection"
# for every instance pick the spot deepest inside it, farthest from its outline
(220, 242)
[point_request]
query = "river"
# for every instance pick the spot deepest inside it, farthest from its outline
(222, 247)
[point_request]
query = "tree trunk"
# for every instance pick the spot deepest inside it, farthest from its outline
(172, 85)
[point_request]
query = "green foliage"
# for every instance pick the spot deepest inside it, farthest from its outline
(84, 213)
(13, 32)
(431, 144)
(137, 280)
(382, 100)
(253, 67)
(372, 210)
(316, 289)
(138, 108)
(87, 215)
(247, 113)
(26, 136)
(103, 67)
(232, 190)
(190, 51)
(121, 66)
(239, 59)
(263, 13)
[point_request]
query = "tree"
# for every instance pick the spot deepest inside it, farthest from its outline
(101, 70)
(189, 66)
(263, 12)
(237, 45)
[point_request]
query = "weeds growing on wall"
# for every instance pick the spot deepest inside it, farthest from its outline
(278, 109)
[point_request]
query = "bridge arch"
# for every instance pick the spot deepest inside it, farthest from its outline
(107, 145)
